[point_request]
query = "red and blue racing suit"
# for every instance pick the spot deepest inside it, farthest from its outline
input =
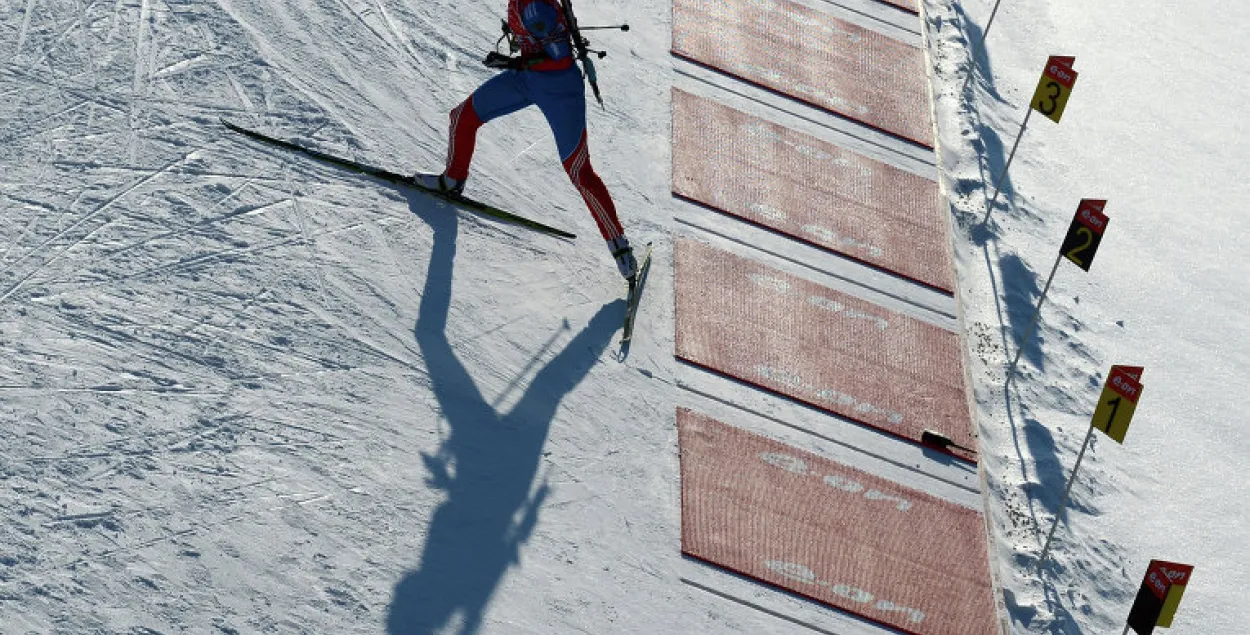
(551, 81)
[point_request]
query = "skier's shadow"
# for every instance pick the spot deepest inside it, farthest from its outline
(488, 463)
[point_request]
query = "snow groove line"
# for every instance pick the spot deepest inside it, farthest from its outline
(320, 364)
(90, 165)
(25, 29)
(399, 37)
(144, 61)
(303, 230)
(110, 449)
(56, 41)
(145, 544)
(414, 366)
(381, 36)
(199, 260)
(194, 227)
(34, 129)
(104, 206)
(242, 251)
(533, 361)
(35, 218)
(98, 210)
(206, 320)
(111, 389)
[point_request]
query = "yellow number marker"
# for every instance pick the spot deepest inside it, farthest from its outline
(1118, 401)
(1055, 86)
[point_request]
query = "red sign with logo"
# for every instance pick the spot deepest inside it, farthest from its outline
(1089, 213)
(1162, 575)
(1123, 382)
(1059, 68)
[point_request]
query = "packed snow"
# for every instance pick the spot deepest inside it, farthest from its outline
(246, 392)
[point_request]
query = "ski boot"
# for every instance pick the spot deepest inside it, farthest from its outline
(625, 261)
(439, 183)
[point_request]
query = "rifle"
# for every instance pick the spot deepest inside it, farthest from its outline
(581, 47)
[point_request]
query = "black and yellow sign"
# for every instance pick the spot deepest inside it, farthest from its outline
(1159, 596)
(1085, 233)
(1051, 96)
(1118, 401)
(1179, 575)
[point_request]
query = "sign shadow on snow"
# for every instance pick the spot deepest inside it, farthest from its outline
(1022, 293)
(488, 463)
(984, 139)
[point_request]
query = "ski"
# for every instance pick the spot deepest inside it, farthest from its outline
(399, 179)
(631, 302)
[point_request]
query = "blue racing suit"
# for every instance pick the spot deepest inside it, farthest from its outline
(551, 81)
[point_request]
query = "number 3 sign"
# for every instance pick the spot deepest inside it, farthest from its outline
(1053, 89)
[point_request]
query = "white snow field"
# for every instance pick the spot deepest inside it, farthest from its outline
(1153, 126)
(244, 392)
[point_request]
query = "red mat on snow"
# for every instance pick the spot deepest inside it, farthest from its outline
(810, 190)
(819, 346)
(832, 533)
(810, 56)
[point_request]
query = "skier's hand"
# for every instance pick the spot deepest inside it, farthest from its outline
(494, 59)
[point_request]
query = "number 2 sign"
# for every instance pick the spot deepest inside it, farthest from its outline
(1053, 89)
(1085, 233)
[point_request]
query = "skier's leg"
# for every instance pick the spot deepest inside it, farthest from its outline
(501, 95)
(592, 189)
(562, 97)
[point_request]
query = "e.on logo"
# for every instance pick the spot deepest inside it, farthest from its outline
(1094, 220)
(1062, 74)
(1125, 386)
(1159, 583)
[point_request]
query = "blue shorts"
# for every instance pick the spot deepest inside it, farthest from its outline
(560, 95)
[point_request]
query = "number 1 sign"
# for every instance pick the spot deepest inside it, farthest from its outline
(1118, 401)
(1115, 410)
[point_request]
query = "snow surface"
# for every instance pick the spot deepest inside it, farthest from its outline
(244, 392)
(1153, 127)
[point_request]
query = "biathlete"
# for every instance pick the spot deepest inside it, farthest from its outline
(546, 75)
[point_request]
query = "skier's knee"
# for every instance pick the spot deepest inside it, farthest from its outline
(464, 114)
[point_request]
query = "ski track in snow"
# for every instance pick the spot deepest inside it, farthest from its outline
(224, 414)
(171, 358)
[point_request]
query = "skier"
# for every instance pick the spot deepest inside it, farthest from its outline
(545, 74)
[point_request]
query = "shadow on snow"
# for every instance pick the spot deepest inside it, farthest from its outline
(489, 462)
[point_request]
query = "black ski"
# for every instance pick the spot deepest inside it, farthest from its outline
(631, 302)
(400, 179)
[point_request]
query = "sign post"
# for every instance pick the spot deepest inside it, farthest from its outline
(1079, 246)
(972, 70)
(1159, 596)
(1113, 414)
(1050, 98)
